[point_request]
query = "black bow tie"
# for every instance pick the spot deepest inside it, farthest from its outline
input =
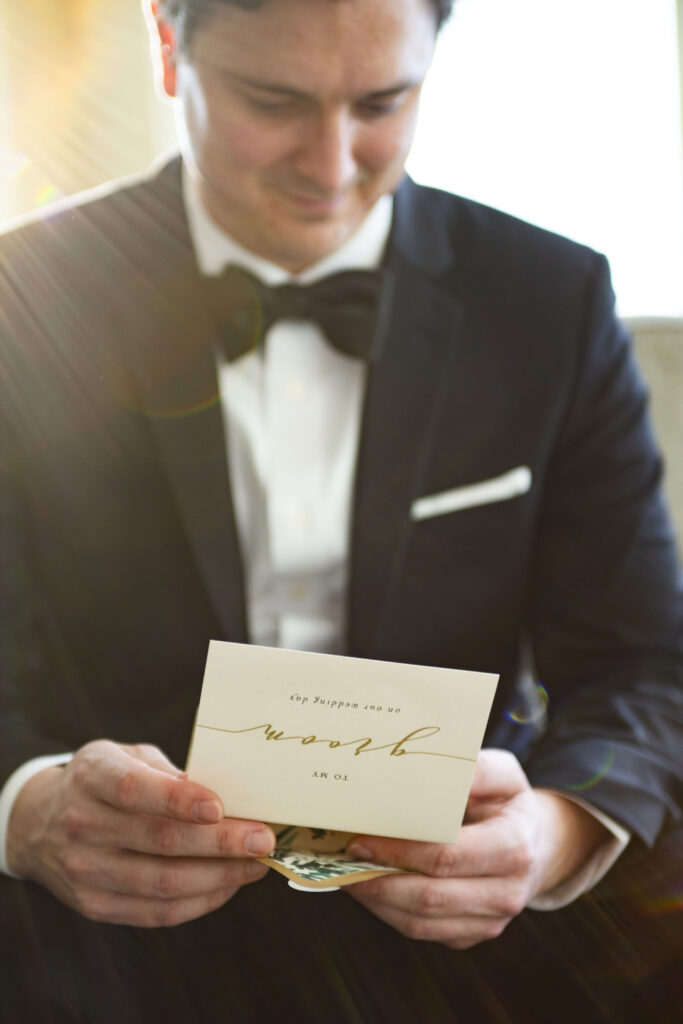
(347, 306)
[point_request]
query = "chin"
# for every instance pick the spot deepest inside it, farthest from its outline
(299, 249)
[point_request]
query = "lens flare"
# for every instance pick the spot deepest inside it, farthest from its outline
(672, 903)
(533, 709)
(12, 164)
(183, 413)
(580, 787)
(47, 194)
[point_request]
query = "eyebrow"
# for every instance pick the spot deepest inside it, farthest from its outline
(284, 90)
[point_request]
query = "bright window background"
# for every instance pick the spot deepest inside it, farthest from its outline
(563, 112)
(567, 115)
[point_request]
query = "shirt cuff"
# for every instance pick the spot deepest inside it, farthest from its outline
(10, 791)
(595, 868)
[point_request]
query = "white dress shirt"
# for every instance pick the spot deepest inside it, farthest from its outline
(292, 411)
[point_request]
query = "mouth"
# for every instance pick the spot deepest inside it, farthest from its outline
(314, 204)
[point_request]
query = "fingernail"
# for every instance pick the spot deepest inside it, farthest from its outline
(207, 810)
(255, 869)
(260, 843)
(360, 852)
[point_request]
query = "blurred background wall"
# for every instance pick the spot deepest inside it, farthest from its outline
(78, 105)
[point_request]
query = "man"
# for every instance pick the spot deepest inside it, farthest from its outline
(144, 518)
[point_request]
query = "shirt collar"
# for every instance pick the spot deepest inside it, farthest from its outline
(214, 249)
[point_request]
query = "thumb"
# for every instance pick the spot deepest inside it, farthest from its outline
(498, 775)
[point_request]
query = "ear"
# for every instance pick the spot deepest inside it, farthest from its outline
(164, 49)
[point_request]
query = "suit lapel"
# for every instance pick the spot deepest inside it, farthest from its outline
(406, 389)
(171, 355)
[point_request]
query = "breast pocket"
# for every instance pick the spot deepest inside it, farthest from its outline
(469, 549)
(512, 484)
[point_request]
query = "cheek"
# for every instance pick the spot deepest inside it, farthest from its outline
(238, 143)
(386, 150)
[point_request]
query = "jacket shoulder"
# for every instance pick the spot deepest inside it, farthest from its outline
(453, 231)
(95, 224)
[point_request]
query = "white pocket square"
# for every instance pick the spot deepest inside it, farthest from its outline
(499, 488)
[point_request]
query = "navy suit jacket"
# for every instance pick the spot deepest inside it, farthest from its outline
(121, 558)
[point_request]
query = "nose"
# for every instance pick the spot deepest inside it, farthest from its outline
(326, 154)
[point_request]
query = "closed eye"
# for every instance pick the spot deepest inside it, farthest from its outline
(273, 105)
(281, 100)
(380, 107)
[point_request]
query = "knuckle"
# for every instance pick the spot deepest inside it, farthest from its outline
(168, 883)
(165, 835)
(167, 915)
(512, 904)
(225, 841)
(485, 931)
(174, 799)
(126, 789)
(74, 823)
(445, 861)
(87, 756)
(73, 865)
(91, 906)
(372, 890)
(144, 750)
(417, 928)
(522, 857)
(429, 899)
(99, 747)
(80, 770)
(495, 927)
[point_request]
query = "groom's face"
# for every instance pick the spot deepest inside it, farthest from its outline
(298, 115)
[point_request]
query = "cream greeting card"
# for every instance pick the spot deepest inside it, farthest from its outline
(337, 743)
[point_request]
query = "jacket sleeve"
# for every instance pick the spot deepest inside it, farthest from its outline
(35, 678)
(606, 608)
(27, 666)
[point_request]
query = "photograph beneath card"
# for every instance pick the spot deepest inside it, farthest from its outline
(315, 859)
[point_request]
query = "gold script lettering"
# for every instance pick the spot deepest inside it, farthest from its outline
(362, 744)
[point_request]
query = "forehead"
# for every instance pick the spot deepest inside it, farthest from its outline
(319, 45)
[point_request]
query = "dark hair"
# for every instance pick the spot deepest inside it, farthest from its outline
(187, 14)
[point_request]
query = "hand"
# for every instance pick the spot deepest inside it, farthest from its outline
(516, 842)
(121, 835)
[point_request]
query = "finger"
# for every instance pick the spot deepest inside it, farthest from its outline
(109, 773)
(493, 846)
(405, 854)
(498, 775)
(437, 899)
(165, 837)
(97, 824)
(459, 933)
(113, 908)
(136, 874)
(155, 758)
